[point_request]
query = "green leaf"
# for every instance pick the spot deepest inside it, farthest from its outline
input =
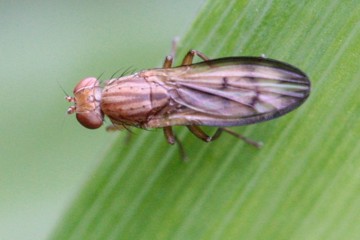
(303, 184)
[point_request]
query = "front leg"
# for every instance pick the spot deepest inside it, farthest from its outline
(169, 59)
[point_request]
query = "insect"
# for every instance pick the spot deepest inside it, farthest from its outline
(223, 92)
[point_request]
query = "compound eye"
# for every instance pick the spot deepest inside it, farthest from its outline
(91, 120)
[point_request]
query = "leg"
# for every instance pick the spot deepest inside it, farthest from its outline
(245, 139)
(203, 136)
(117, 127)
(196, 130)
(169, 135)
(188, 59)
(171, 138)
(174, 44)
(169, 59)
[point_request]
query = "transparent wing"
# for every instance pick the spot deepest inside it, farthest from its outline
(235, 91)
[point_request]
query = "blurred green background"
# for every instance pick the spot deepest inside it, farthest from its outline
(46, 156)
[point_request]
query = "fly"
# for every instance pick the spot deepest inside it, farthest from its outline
(223, 92)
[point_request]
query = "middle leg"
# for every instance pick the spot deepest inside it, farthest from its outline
(188, 59)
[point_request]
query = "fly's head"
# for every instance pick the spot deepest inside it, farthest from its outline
(87, 98)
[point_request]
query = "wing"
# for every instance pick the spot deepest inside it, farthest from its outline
(234, 91)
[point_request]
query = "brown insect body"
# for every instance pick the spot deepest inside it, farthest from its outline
(222, 92)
